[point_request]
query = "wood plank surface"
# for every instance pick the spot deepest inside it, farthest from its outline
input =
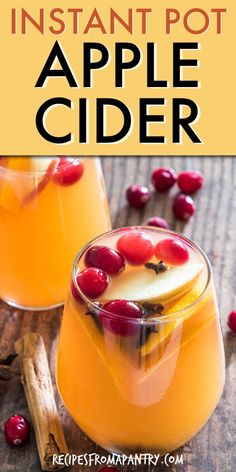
(214, 229)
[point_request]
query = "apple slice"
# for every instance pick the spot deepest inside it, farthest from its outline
(3, 161)
(157, 341)
(15, 189)
(40, 164)
(145, 285)
(15, 163)
(9, 181)
(48, 167)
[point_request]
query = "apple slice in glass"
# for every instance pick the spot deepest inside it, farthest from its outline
(142, 285)
(45, 165)
(17, 185)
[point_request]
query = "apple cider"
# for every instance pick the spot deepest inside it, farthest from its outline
(140, 362)
(49, 208)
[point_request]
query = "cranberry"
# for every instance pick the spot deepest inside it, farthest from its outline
(137, 247)
(105, 258)
(75, 293)
(172, 251)
(183, 207)
(68, 171)
(232, 321)
(163, 179)
(138, 196)
(189, 181)
(119, 325)
(17, 430)
(92, 281)
(158, 222)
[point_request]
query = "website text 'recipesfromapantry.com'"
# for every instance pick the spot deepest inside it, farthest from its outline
(94, 459)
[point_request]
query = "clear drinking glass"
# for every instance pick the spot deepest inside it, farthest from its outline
(153, 389)
(49, 208)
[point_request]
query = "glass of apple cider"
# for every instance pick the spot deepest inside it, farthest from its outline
(140, 362)
(49, 208)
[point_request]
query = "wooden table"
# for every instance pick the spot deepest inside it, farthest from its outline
(214, 229)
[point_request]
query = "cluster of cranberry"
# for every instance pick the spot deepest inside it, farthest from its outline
(163, 179)
(135, 247)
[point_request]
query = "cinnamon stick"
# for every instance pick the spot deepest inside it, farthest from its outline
(38, 388)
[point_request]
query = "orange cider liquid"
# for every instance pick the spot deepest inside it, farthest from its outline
(43, 224)
(135, 393)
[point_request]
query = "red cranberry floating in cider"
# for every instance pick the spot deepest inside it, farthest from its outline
(232, 321)
(172, 251)
(17, 430)
(136, 247)
(105, 258)
(189, 181)
(69, 171)
(158, 222)
(118, 324)
(75, 293)
(92, 281)
(183, 207)
(138, 196)
(163, 179)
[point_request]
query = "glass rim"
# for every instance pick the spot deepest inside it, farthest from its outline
(176, 315)
(33, 173)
